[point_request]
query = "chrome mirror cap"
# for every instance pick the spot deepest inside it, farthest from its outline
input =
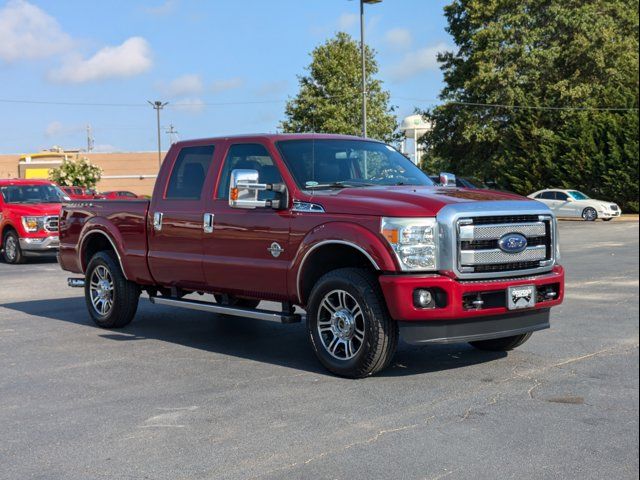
(447, 179)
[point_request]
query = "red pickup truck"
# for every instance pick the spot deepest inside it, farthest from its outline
(348, 229)
(29, 211)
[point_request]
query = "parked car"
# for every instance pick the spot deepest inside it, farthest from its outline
(79, 193)
(118, 195)
(462, 182)
(575, 204)
(369, 249)
(29, 212)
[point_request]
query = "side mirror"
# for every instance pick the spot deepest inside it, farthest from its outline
(447, 179)
(244, 187)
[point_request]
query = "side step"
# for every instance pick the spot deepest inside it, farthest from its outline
(281, 317)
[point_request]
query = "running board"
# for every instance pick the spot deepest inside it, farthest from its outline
(281, 317)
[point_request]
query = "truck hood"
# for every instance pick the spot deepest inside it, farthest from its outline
(34, 209)
(408, 201)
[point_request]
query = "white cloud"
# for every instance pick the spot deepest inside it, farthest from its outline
(58, 129)
(28, 32)
(132, 57)
(189, 104)
(347, 20)
(276, 87)
(105, 148)
(53, 129)
(398, 38)
(165, 8)
(190, 84)
(417, 62)
(229, 84)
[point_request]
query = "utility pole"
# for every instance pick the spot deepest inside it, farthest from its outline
(173, 133)
(90, 139)
(157, 106)
(363, 58)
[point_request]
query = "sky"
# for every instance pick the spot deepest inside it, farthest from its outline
(225, 67)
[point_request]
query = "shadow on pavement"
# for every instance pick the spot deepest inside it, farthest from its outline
(261, 341)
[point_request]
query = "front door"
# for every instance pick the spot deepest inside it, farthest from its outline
(176, 216)
(248, 252)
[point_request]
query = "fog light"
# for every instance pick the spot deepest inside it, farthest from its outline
(423, 298)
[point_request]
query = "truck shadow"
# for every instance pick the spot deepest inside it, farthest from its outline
(260, 341)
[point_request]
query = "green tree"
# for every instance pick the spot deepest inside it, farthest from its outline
(542, 53)
(76, 173)
(330, 96)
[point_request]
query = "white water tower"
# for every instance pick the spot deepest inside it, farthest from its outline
(414, 127)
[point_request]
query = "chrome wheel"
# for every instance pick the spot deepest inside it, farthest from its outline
(11, 248)
(589, 214)
(341, 325)
(101, 290)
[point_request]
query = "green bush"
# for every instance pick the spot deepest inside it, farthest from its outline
(76, 173)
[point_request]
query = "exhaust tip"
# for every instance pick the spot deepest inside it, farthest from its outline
(75, 282)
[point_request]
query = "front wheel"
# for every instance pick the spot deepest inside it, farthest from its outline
(589, 214)
(501, 344)
(12, 252)
(111, 299)
(348, 325)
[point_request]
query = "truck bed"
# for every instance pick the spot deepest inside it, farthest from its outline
(125, 222)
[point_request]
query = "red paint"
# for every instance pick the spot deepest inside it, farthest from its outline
(11, 213)
(234, 258)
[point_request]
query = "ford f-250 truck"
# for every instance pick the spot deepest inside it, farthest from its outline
(346, 228)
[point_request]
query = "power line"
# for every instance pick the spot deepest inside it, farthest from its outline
(329, 97)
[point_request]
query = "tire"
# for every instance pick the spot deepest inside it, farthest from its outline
(111, 299)
(501, 344)
(589, 214)
(348, 325)
(236, 301)
(11, 251)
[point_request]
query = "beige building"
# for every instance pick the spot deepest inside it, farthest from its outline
(133, 171)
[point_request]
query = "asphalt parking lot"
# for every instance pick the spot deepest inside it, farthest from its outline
(187, 395)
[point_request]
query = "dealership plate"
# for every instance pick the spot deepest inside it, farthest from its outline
(523, 296)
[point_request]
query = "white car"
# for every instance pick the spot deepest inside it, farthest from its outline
(575, 204)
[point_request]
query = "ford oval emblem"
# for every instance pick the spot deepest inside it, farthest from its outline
(512, 243)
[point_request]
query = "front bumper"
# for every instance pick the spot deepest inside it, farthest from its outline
(41, 244)
(609, 214)
(485, 328)
(398, 292)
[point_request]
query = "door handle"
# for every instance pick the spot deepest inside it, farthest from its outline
(207, 222)
(157, 221)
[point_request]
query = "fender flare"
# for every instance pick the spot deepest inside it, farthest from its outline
(340, 233)
(106, 229)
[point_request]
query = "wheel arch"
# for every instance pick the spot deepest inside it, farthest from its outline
(95, 241)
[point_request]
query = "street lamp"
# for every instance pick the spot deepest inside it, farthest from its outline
(157, 106)
(364, 66)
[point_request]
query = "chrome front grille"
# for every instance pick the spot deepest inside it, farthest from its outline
(51, 224)
(478, 251)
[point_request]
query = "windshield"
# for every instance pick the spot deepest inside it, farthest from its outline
(317, 164)
(32, 194)
(578, 195)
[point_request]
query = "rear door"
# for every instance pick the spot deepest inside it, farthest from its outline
(549, 199)
(248, 253)
(176, 219)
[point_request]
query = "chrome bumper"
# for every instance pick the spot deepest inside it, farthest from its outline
(43, 244)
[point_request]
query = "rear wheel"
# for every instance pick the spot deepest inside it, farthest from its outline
(350, 329)
(111, 299)
(501, 344)
(12, 252)
(589, 214)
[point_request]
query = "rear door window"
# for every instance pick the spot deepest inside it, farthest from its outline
(189, 173)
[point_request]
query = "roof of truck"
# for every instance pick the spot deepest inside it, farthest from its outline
(274, 137)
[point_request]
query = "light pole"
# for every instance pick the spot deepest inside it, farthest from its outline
(364, 65)
(157, 106)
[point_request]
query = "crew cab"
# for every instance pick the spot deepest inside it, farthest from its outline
(346, 228)
(29, 211)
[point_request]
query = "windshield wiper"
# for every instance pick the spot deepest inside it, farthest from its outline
(339, 185)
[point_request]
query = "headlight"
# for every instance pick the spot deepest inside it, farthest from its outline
(33, 224)
(414, 241)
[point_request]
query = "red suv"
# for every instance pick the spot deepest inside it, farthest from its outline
(79, 193)
(29, 212)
